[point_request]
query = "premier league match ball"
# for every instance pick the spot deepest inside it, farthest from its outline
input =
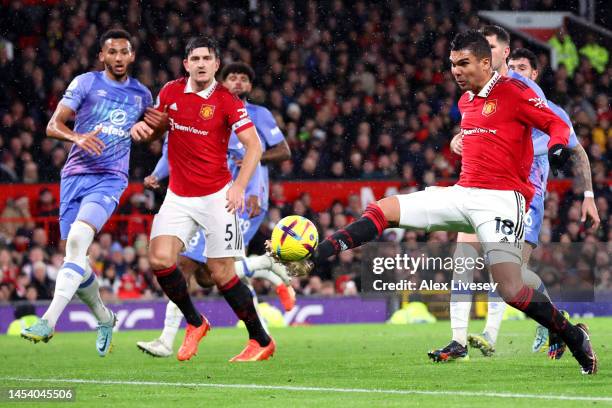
(294, 238)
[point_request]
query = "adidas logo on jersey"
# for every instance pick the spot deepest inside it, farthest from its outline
(173, 107)
(228, 247)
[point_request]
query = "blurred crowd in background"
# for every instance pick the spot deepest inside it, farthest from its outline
(360, 90)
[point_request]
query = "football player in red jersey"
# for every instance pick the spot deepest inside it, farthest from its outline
(199, 115)
(498, 114)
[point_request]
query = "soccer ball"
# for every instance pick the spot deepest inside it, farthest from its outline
(294, 238)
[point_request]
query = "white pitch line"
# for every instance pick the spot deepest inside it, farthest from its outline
(316, 389)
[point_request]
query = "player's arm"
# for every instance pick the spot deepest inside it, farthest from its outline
(155, 121)
(534, 112)
(277, 153)
(582, 169)
(583, 175)
(162, 169)
(274, 137)
(253, 203)
(249, 139)
(456, 143)
(57, 129)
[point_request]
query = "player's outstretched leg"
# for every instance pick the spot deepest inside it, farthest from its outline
(89, 293)
(164, 344)
(67, 283)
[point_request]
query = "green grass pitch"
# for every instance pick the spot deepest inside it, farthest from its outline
(348, 365)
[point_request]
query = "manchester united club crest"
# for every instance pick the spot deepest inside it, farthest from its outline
(207, 111)
(489, 107)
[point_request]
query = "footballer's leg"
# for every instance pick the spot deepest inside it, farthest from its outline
(460, 301)
(224, 245)
(96, 208)
(501, 230)
(172, 227)
(163, 254)
(189, 262)
(238, 295)
(86, 204)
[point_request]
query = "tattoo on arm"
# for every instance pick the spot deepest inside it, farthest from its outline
(582, 168)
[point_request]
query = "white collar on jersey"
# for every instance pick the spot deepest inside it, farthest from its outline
(486, 90)
(204, 93)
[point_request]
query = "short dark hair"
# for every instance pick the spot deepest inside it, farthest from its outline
(114, 33)
(237, 68)
(474, 41)
(202, 42)
(527, 54)
(497, 31)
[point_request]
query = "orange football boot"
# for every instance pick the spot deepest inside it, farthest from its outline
(254, 352)
(193, 335)
(286, 295)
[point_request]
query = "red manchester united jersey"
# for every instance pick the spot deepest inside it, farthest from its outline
(200, 127)
(496, 126)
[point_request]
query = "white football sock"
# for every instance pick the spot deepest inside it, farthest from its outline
(172, 323)
(461, 303)
(269, 276)
(80, 237)
(495, 314)
(90, 295)
(66, 285)
(71, 275)
(255, 263)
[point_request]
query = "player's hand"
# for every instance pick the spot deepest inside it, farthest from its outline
(557, 156)
(252, 206)
(90, 142)
(589, 210)
(151, 182)
(235, 199)
(456, 143)
(238, 162)
(155, 119)
(141, 131)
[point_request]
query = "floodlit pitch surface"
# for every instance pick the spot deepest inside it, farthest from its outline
(319, 366)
